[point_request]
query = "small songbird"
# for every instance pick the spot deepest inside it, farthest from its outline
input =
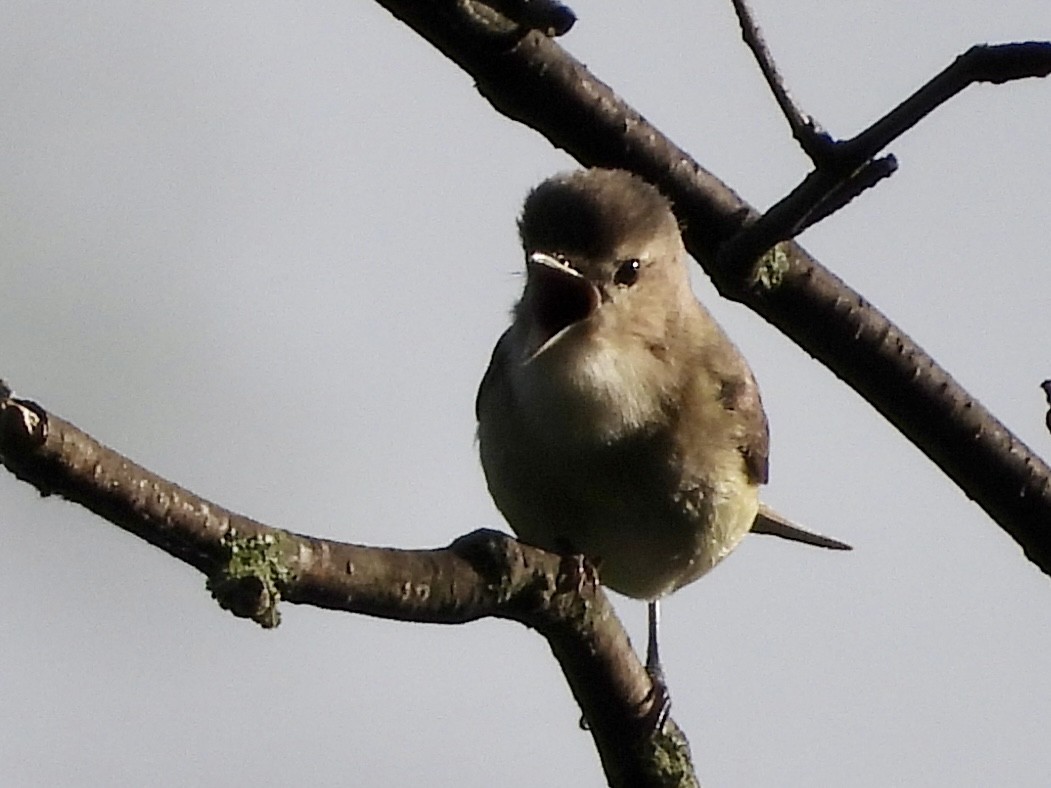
(616, 420)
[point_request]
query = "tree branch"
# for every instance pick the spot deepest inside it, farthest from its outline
(533, 80)
(805, 129)
(845, 168)
(251, 567)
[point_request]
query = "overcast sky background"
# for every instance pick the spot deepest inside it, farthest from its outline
(265, 248)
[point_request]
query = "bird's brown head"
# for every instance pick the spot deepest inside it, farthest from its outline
(595, 238)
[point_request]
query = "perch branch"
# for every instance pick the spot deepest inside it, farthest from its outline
(251, 567)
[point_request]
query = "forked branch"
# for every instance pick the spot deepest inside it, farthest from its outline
(845, 168)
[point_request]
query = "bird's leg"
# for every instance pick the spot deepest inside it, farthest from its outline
(658, 713)
(653, 657)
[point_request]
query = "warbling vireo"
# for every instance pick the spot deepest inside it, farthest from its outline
(616, 420)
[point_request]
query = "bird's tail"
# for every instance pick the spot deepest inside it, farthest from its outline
(770, 522)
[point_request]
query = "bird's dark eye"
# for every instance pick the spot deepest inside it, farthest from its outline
(627, 273)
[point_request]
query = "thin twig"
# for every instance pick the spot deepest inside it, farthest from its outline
(816, 143)
(994, 63)
(845, 168)
(821, 193)
(868, 176)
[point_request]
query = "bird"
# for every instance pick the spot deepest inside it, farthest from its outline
(616, 420)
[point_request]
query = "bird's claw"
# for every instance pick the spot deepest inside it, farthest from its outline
(659, 700)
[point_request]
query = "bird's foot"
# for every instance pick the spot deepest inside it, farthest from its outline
(659, 700)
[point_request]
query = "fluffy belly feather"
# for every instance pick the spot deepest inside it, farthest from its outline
(646, 529)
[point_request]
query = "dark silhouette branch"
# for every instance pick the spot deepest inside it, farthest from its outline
(844, 192)
(251, 567)
(845, 168)
(805, 129)
(533, 80)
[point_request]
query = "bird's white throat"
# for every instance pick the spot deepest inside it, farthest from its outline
(584, 390)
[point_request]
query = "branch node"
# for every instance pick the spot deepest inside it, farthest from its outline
(510, 20)
(494, 555)
(23, 425)
(24, 431)
(249, 583)
(550, 17)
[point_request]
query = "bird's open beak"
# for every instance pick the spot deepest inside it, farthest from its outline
(561, 297)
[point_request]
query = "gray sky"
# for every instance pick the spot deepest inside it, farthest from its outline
(264, 248)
